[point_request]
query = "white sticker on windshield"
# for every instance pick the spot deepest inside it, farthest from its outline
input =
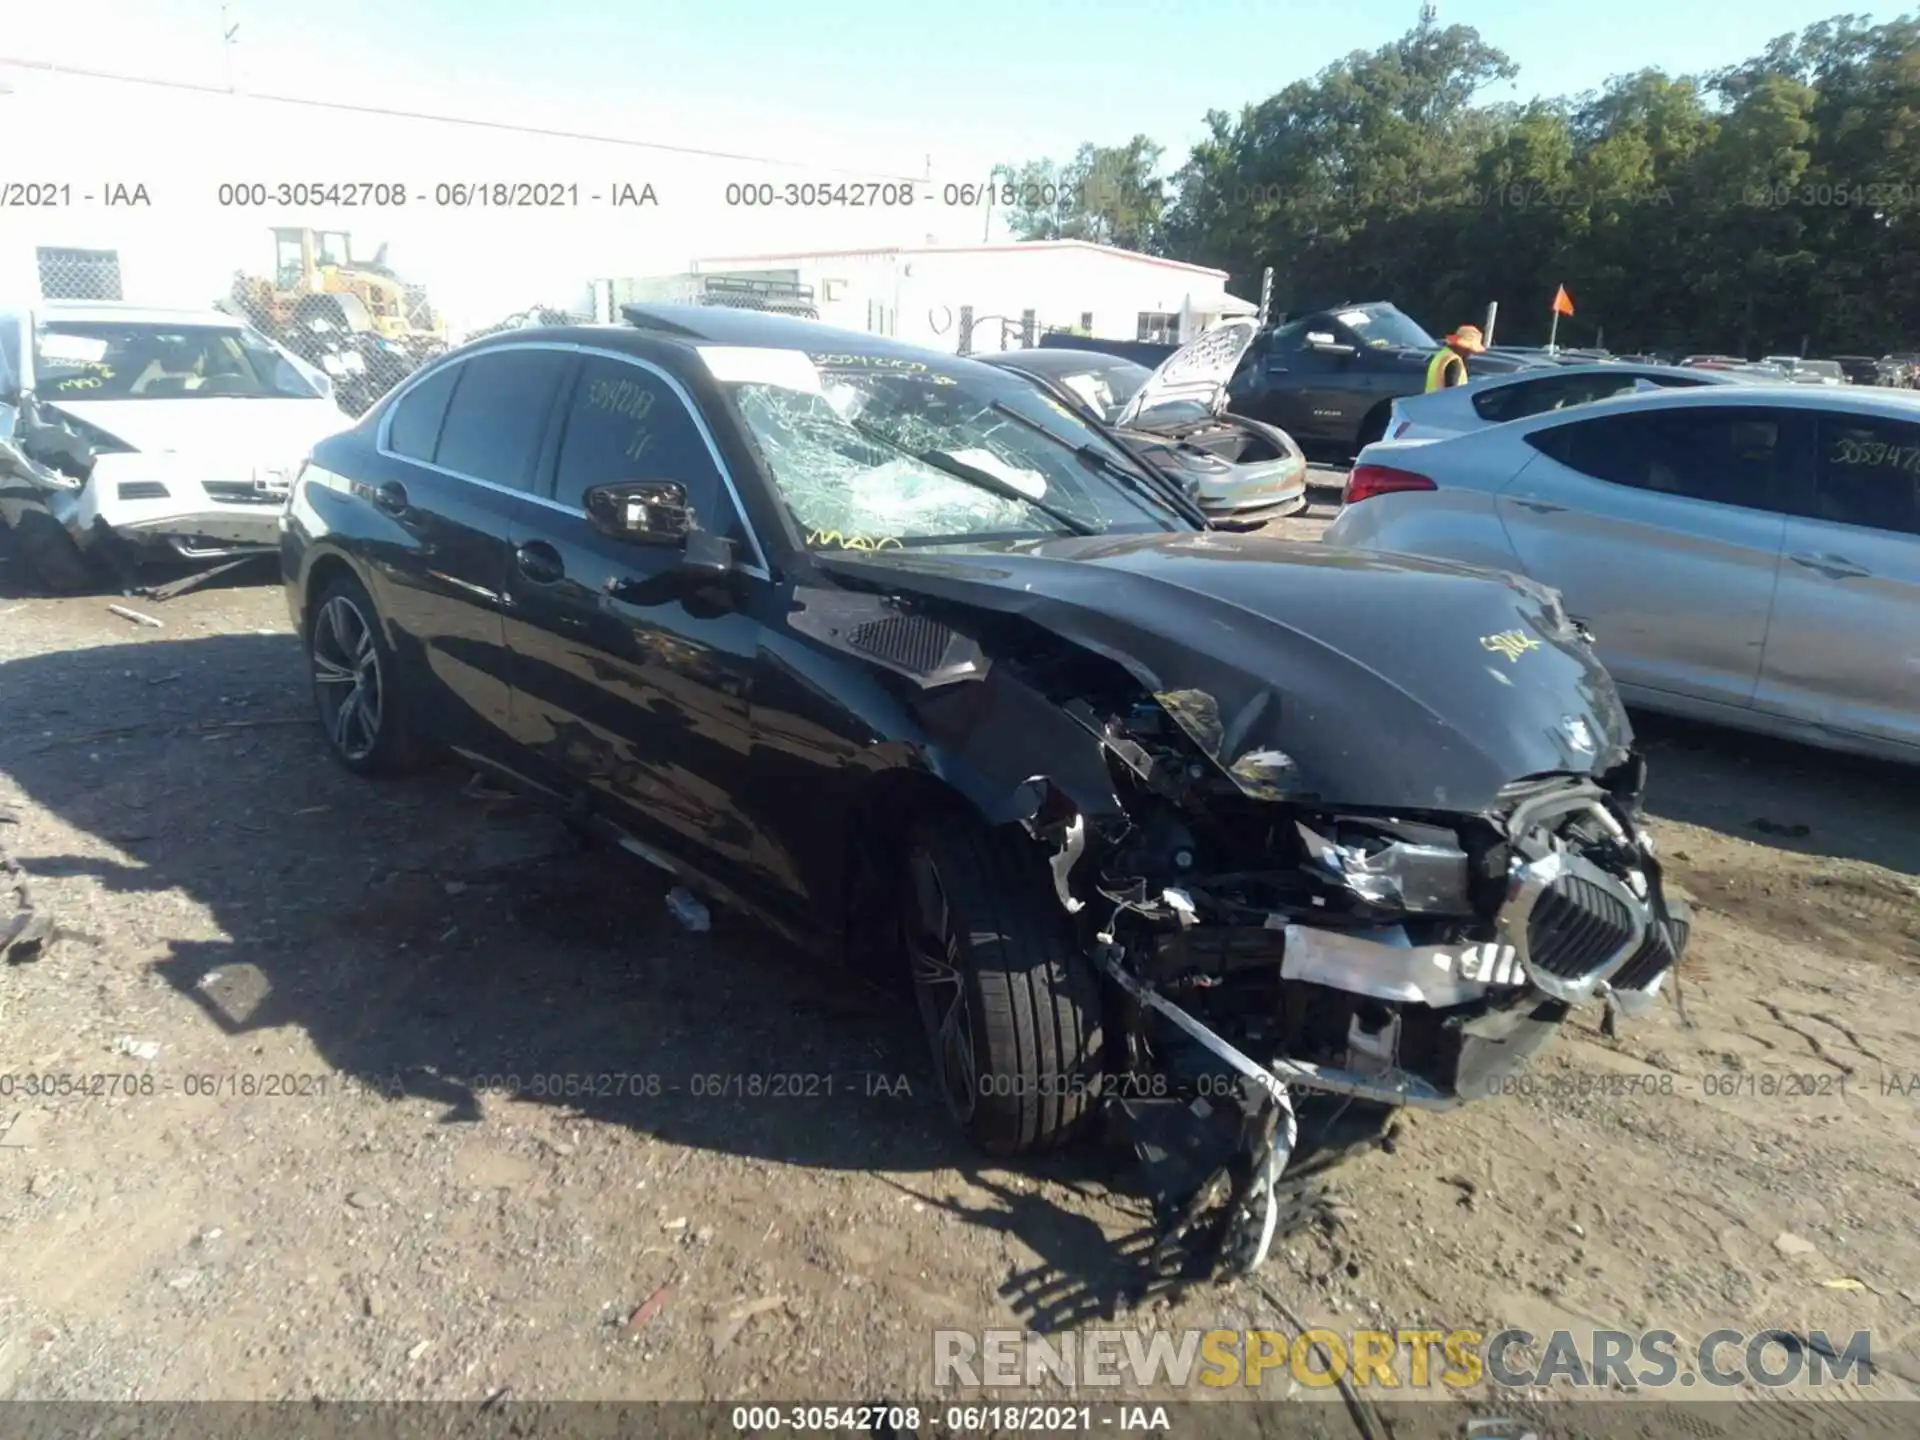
(1354, 319)
(758, 365)
(1089, 389)
(1030, 483)
(75, 349)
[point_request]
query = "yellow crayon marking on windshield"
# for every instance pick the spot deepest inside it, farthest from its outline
(834, 540)
(1510, 643)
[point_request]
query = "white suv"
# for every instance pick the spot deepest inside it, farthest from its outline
(129, 433)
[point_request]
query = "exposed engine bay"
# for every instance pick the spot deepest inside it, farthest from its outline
(1276, 959)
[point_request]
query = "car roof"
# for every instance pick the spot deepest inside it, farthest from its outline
(1863, 400)
(725, 325)
(112, 312)
(1605, 367)
(1061, 362)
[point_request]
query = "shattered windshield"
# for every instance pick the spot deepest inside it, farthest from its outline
(118, 360)
(879, 452)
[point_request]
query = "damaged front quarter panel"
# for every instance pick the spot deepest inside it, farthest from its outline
(1313, 867)
(42, 464)
(1010, 751)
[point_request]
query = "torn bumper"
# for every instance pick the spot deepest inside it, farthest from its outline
(152, 500)
(1248, 492)
(1496, 1024)
(1430, 1026)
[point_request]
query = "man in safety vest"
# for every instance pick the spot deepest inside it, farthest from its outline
(1449, 364)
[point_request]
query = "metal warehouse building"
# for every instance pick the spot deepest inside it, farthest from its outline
(966, 298)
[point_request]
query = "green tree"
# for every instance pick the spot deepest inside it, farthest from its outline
(1768, 205)
(1109, 194)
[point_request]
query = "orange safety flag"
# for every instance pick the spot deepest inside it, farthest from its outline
(1562, 302)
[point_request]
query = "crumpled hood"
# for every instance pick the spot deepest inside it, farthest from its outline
(1390, 682)
(226, 431)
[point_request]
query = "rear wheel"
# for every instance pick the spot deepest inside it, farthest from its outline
(1010, 1005)
(55, 557)
(357, 686)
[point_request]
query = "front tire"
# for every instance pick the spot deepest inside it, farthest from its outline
(1010, 1005)
(357, 687)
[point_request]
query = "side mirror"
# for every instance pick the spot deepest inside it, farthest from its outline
(656, 512)
(1321, 343)
(651, 512)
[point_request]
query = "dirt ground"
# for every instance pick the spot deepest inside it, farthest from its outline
(308, 1176)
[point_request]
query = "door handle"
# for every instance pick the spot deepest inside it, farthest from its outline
(540, 562)
(1540, 507)
(391, 498)
(1834, 567)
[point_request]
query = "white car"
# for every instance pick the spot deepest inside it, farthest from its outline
(1745, 554)
(129, 433)
(1500, 398)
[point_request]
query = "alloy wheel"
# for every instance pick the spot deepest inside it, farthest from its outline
(940, 986)
(346, 677)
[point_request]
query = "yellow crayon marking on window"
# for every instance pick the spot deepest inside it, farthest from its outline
(1510, 643)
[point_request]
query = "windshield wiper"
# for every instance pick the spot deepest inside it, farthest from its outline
(1160, 487)
(976, 477)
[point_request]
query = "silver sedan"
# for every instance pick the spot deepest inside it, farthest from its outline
(1746, 554)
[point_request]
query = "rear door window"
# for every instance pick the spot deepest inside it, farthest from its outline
(414, 430)
(498, 414)
(1868, 473)
(1732, 456)
(1537, 397)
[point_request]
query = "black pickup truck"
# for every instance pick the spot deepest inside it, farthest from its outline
(1329, 377)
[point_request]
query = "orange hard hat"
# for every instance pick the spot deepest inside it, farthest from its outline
(1467, 338)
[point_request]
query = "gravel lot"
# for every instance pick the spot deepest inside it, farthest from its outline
(307, 1187)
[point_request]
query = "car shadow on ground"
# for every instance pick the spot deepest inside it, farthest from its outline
(1781, 793)
(436, 941)
(156, 581)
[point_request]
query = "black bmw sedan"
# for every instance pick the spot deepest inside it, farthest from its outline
(895, 652)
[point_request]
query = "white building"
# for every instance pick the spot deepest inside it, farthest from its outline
(926, 294)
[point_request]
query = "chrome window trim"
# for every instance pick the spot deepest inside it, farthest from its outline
(759, 568)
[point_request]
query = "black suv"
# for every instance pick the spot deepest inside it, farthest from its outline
(1330, 377)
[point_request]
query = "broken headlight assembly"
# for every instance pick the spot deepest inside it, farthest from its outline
(1282, 967)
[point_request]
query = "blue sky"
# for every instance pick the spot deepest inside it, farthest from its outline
(865, 83)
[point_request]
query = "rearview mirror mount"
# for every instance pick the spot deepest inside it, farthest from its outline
(707, 556)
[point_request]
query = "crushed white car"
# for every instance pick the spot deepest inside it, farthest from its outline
(130, 434)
